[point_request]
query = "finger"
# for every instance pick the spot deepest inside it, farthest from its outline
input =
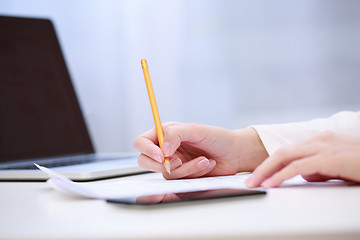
(203, 172)
(278, 160)
(177, 133)
(148, 163)
(305, 166)
(147, 144)
(150, 135)
(186, 169)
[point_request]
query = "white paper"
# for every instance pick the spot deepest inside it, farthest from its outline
(155, 184)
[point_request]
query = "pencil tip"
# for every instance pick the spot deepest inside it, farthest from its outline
(167, 167)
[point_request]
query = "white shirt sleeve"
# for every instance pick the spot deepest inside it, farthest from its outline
(276, 136)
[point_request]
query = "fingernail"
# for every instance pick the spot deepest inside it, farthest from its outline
(267, 184)
(157, 158)
(203, 163)
(175, 163)
(249, 182)
(212, 164)
(166, 149)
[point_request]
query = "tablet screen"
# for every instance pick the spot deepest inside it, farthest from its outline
(187, 196)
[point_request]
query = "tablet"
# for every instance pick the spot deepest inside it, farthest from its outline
(187, 196)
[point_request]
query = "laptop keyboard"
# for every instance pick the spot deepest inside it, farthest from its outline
(50, 163)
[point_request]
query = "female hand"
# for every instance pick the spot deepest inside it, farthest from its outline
(326, 156)
(197, 150)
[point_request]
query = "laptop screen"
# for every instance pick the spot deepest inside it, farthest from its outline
(39, 112)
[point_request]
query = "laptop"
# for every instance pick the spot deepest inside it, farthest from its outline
(40, 117)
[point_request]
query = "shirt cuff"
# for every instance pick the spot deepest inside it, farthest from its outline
(276, 136)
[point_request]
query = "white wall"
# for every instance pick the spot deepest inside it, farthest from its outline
(221, 62)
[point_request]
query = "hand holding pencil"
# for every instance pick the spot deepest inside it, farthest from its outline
(194, 150)
(198, 150)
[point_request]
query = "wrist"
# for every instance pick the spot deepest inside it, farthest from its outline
(250, 149)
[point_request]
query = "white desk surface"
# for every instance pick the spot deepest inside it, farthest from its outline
(32, 210)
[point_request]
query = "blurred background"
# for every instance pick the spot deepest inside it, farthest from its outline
(229, 63)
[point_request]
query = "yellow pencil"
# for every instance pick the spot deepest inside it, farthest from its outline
(155, 111)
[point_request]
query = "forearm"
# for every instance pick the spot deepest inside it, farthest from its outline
(278, 135)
